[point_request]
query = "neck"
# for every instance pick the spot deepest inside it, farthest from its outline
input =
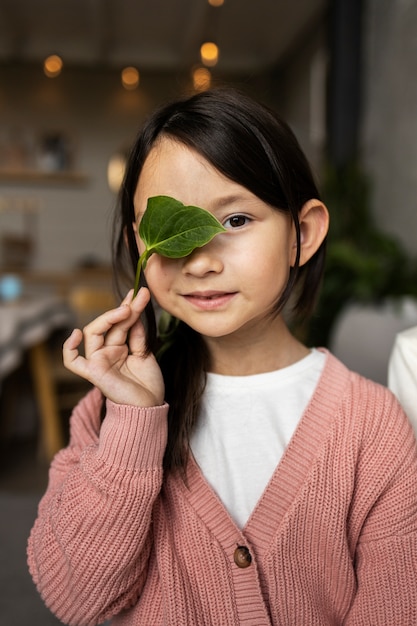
(245, 353)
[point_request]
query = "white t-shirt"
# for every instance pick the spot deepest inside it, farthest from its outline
(402, 372)
(246, 422)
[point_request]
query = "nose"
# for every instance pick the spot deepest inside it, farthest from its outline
(204, 260)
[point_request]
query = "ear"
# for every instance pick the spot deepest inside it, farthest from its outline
(314, 225)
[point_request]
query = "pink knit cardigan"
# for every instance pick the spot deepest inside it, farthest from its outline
(333, 539)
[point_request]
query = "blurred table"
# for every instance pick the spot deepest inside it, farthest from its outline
(25, 325)
(27, 322)
(62, 283)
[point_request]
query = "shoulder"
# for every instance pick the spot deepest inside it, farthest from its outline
(374, 443)
(404, 352)
(407, 337)
(364, 404)
(350, 383)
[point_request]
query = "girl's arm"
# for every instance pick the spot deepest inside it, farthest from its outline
(88, 550)
(386, 554)
(89, 547)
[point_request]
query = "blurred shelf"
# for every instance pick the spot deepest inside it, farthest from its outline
(36, 177)
(61, 282)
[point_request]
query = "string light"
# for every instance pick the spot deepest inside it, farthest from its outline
(209, 53)
(52, 66)
(201, 78)
(130, 78)
(216, 3)
(115, 171)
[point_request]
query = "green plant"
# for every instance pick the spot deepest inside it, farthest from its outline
(173, 230)
(364, 264)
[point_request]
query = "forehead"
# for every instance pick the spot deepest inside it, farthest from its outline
(168, 158)
(175, 170)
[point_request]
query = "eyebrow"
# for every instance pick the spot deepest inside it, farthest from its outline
(224, 201)
(218, 204)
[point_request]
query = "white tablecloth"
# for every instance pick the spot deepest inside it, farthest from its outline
(26, 322)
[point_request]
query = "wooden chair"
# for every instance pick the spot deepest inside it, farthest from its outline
(89, 302)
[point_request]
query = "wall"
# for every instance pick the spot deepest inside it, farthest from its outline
(389, 131)
(100, 117)
(299, 93)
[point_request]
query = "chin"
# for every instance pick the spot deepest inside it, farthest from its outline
(214, 333)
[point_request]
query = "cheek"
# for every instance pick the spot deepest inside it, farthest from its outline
(139, 242)
(269, 271)
(272, 256)
(159, 274)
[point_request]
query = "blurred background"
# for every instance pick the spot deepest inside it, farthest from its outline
(77, 78)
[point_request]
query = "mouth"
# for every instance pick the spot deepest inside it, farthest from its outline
(209, 300)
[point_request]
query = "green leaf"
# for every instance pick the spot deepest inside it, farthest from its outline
(173, 230)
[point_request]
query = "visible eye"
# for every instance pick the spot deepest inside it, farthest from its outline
(236, 221)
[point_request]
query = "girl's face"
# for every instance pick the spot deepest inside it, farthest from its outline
(228, 287)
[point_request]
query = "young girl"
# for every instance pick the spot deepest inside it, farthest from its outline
(243, 478)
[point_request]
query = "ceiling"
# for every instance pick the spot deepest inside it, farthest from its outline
(155, 34)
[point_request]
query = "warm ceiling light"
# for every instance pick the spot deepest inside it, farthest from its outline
(116, 171)
(201, 79)
(209, 54)
(130, 78)
(216, 3)
(52, 66)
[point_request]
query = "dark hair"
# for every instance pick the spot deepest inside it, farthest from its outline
(252, 146)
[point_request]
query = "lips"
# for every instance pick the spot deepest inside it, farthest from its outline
(209, 300)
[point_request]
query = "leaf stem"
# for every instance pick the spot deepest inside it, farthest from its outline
(141, 263)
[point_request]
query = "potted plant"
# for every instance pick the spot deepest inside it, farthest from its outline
(364, 264)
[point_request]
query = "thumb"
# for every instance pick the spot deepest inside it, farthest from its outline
(137, 339)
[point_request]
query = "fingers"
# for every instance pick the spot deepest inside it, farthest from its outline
(114, 331)
(71, 345)
(137, 340)
(110, 329)
(70, 353)
(96, 332)
(108, 362)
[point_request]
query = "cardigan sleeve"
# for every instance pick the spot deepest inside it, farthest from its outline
(386, 550)
(387, 581)
(89, 547)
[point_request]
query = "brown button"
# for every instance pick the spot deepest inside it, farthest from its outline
(242, 556)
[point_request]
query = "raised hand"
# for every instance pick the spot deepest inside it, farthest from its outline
(114, 357)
